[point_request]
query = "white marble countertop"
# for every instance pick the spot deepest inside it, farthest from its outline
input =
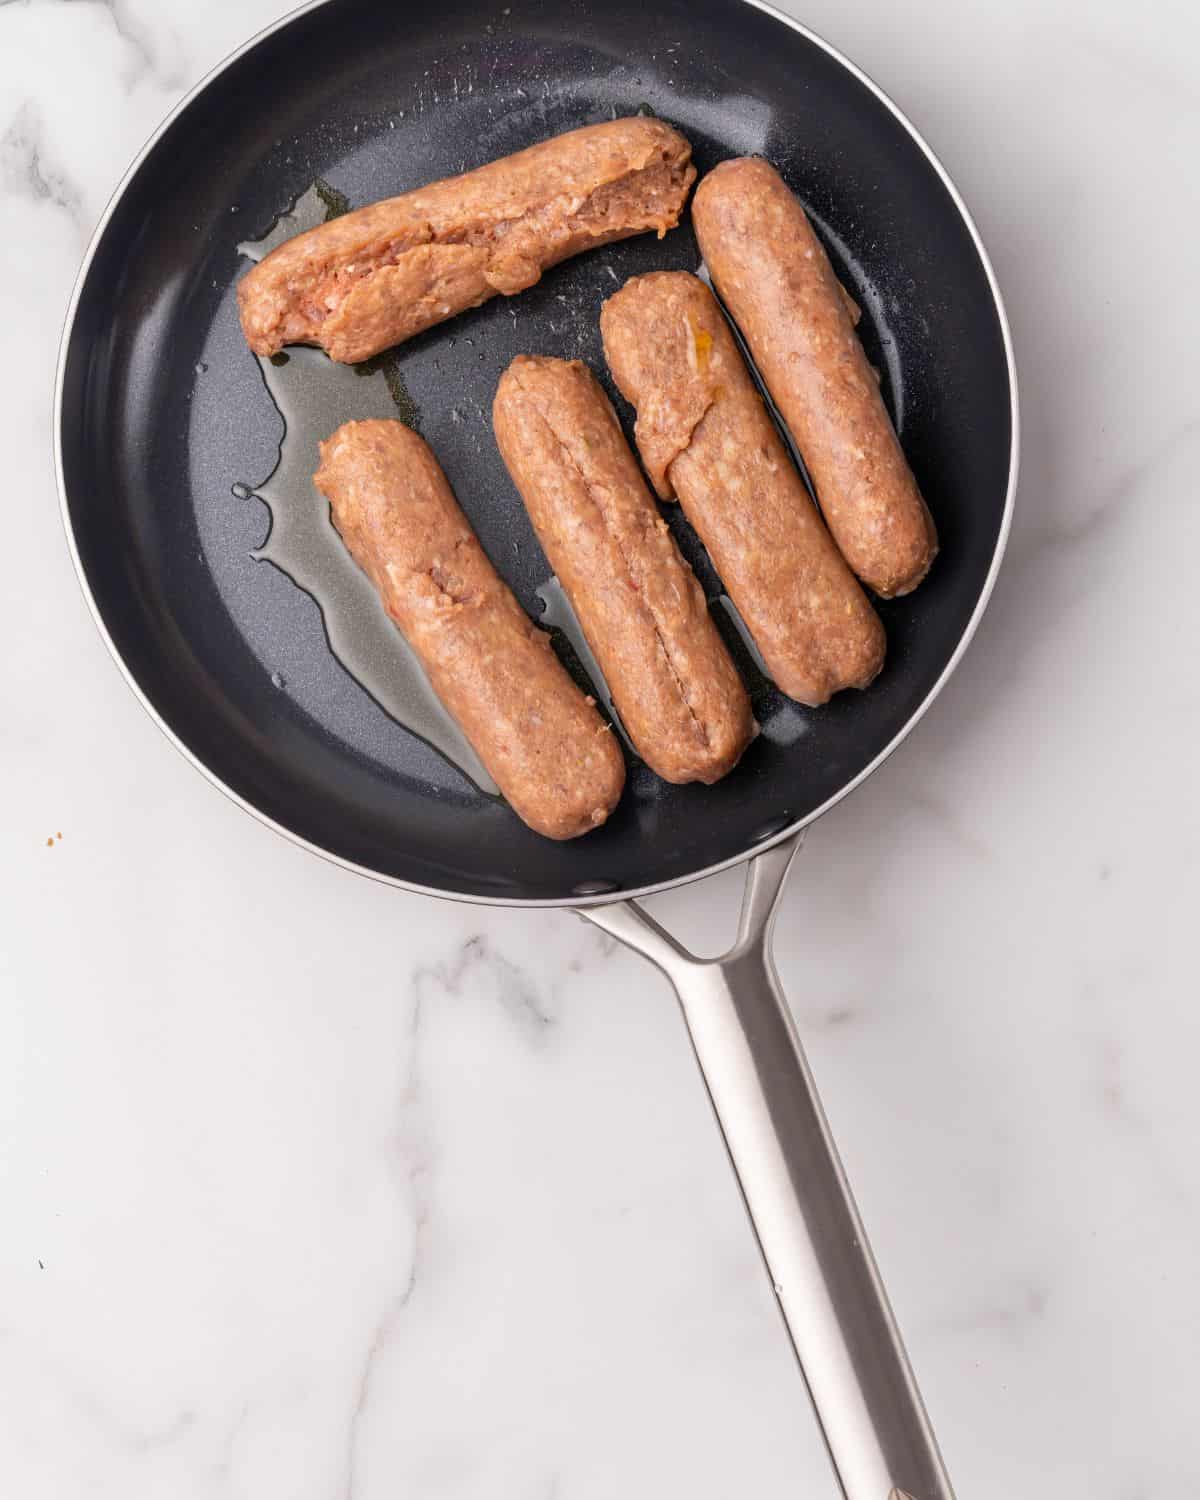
(314, 1189)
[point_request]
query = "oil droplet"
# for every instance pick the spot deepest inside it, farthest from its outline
(278, 680)
(241, 491)
(201, 368)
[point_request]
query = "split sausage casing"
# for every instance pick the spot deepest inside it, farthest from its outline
(706, 436)
(381, 274)
(644, 615)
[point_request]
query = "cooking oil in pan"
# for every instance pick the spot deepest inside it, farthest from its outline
(559, 618)
(316, 206)
(314, 396)
(780, 719)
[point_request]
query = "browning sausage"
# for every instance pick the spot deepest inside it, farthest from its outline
(375, 277)
(776, 280)
(550, 752)
(705, 435)
(640, 607)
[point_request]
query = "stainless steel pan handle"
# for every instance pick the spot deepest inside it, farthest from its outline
(833, 1301)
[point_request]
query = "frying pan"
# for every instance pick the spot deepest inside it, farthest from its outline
(162, 414)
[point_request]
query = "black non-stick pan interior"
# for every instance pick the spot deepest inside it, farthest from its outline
(165, 414)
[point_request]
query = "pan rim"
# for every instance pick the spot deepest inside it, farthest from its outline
(568, 902)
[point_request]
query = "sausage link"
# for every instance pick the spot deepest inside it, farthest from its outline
(550, 752)
(640, 607)
(774, 276)
(705, 435)
(375, 277)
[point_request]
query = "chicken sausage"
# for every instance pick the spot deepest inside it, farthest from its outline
(705, 436)
(375, 277)
(643, 613)
(775, 278)
(550, 752)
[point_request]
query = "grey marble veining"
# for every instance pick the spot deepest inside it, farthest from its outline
(314, 1189)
